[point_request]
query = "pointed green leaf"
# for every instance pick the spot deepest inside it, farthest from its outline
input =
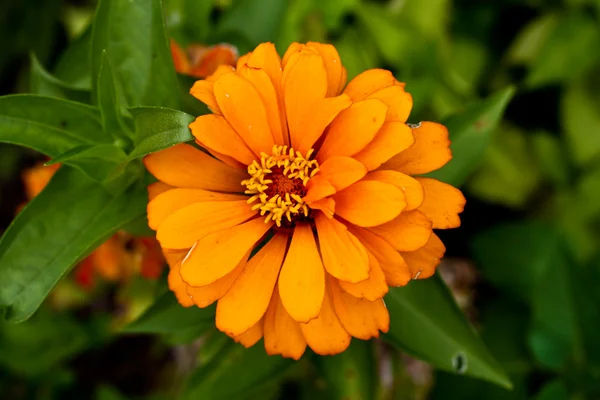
(43, 83)
(351, 375)
(74, 64)
(157, 128)
(470, 133)
(134, 36)
(59, 227)
(427, 323)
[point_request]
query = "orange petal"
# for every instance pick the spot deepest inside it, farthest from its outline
(302, 277)
(391, 139)
(180, 60)
(248, 299)
(207, 60)
(214, 133)
(391, 262)
(343, 79)
(292, 49)
(181, 229)
(442, 203)
(204, 91)
(369, 203)
(325, 334)
(369, 82)
(333, 65)
(242, 61)
(342, 172)
(398, 101)
(321, 115)
(243, 108)
(422, 262)
(327, 206)
(251, 336)
(264, 86)
(372, 288)
(204, 296)
(282, 334)
(412, 189)
(362, 318)
(178, 286)
(172, 200)
(318, 188)
(408, 232)
(215, 255)
(232, 162)
(343, 255)
(157, 188)
(430, 151)
(304, 84)
(353, 129)
(185, 166)
(265, 57)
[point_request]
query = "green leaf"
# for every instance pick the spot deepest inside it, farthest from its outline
(470, 133)
(551, 158)
(157, 128)
(554, 390)
(133, 34)
(581, 117)
(59, 227)
(351, 375)
(256, 20)
(236, 373)
(427, 323)
(109, 105)
(43, 83)
(74, 64)
(167, 316)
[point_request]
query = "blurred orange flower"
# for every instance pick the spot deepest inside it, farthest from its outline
(308, 211)
(119, 258)
(202, 61)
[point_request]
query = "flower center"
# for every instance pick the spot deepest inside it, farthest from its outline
(278, 184)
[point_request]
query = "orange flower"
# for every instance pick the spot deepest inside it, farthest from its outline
(307, 211)
(202, 61)
(117, 259)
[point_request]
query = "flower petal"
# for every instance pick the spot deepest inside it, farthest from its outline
(372, 288)
(326, 206)
(391, 262)
(362, 318)
(343, 255)
(292, 49)
(333, 65)
(408, 232)
(251, 336)
(321, 115)
(342, 172)
(398, 101)
(304, 84)
(204, 91)
(423, 261)
(247, 300)
(430, 151)
(156, 188)
(215, 255)
(181, 229)
(353, 129)
(369, 203)
(180, 59)
(369, 82)
(318, 188)
(282, 334)
(243, 108)
(325, 334)
(412, 189)
(204, 296)
(442, 203)
(172, 200)
(391, 139)
(302, 277)
(185, 166)
(177, 285)
(214, 133)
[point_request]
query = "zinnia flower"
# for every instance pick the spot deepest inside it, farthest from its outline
(306, 211)
(119, 258)
(201, 61)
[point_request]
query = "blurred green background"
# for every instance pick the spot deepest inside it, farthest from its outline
(525, 264)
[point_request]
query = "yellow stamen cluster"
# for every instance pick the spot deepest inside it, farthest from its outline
(276, 181)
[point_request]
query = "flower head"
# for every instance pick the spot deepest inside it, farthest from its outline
(301, 210)
(201, 61)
